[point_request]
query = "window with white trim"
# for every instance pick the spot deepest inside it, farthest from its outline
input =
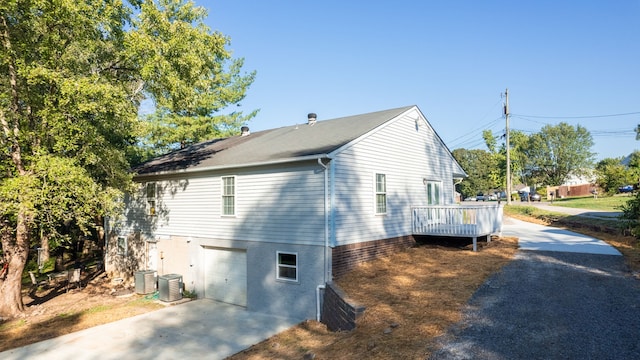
(381, 194)
(433, 192)
(287, 266)
(228, 195)
(151, 194)
(121, 245)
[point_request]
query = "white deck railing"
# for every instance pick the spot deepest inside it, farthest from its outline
(457, 220)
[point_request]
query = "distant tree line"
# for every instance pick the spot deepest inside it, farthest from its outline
(546, 158)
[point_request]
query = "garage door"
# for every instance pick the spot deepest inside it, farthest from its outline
(226, 275)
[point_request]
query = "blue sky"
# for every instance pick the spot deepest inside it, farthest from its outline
(559, 59)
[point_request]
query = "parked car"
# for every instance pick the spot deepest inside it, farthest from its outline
(480, 197)
(471, 198)
(625, 189)
(492, 197)
(525, 196)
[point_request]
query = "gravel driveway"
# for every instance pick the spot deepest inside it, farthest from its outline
(551, 305)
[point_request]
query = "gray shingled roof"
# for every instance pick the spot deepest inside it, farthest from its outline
(286, 143)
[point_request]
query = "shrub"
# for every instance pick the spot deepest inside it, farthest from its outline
(631, 215)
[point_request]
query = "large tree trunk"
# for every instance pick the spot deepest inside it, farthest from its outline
(16, 251)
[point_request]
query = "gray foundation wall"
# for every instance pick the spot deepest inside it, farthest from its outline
(265, 293)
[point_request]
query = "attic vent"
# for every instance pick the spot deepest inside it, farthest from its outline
(244, 131)
(311, 118)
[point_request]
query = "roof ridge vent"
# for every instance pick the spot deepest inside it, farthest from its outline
(311, 119)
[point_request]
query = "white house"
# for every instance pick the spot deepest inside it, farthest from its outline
(264, 219)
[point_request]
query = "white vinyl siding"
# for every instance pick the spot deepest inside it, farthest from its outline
(283, 204)
(407, 154)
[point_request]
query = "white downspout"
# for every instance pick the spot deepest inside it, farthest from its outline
(326, 238)
(318, 310)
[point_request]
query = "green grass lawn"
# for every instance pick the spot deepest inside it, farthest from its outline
(602, 203)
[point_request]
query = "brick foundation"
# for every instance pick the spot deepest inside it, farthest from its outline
(337, 312)
(347, 257)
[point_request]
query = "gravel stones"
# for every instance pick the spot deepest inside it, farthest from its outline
(551, 305)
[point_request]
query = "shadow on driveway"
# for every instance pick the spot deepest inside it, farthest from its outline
(201, 329)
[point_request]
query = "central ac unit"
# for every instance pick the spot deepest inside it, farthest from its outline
(170, 287)
(145, 281)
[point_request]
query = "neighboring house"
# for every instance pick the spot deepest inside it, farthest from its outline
(575, 180)
(583, 185)
(265, 219)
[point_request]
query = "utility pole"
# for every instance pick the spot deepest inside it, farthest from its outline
(506, 116)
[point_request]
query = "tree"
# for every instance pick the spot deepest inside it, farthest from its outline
(479, 165)
(633, 164)
(519, 160)
(518, 142)
(612, 174)
(63, 108)
(557, 152)
(182, 64)
(72, 77)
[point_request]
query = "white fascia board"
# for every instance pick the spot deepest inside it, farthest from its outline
(235, 166)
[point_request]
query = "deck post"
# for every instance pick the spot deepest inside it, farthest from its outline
(475, 243)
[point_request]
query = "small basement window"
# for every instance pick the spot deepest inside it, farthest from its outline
(287, 266)
(122, 245)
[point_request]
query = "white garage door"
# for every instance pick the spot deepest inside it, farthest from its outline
(225, 275)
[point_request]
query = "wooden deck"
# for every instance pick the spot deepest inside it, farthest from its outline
(458, 221)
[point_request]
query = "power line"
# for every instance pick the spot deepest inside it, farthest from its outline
(474, 132)
(576, 117)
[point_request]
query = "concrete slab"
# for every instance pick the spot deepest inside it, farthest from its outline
(201, 329)
(547, 238)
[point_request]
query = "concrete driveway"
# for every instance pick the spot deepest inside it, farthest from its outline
(201, 329)
(546, 238)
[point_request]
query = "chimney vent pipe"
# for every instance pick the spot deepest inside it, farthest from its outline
(311, 118)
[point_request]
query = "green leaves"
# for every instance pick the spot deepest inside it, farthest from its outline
(559, 151)
(548, 157)
(612, 174)
(482, 168)
(55, 192)
(189, 73)
(72, 76)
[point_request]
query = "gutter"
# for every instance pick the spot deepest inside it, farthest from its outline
(236, 166)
